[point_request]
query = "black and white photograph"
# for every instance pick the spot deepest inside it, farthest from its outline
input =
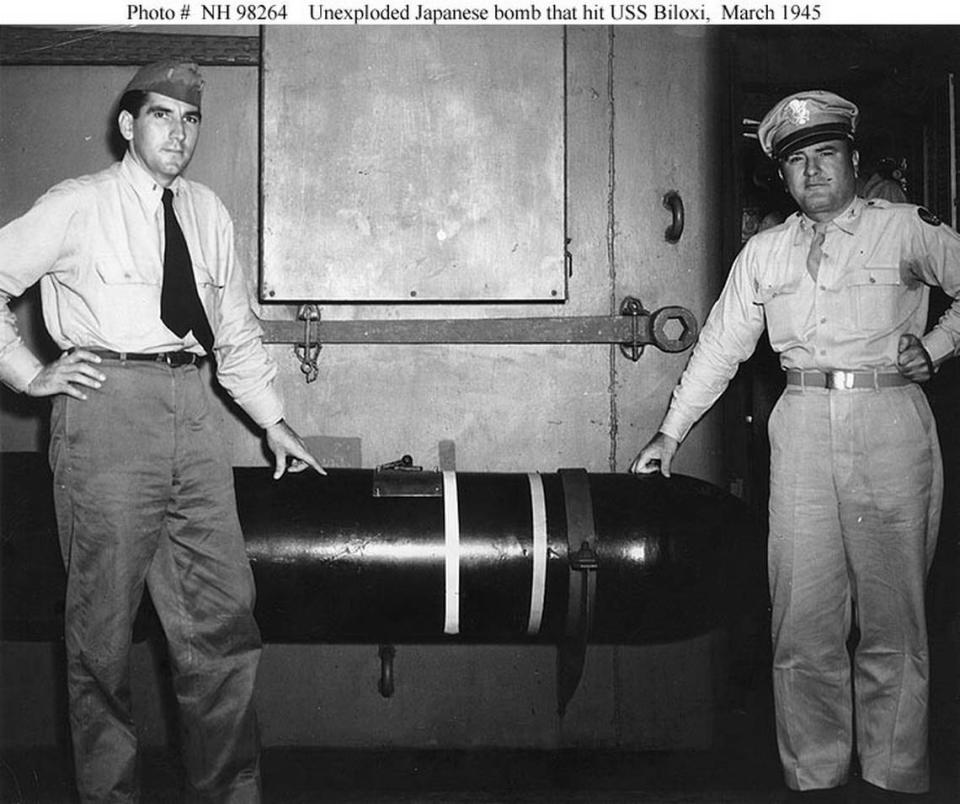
(504, 402)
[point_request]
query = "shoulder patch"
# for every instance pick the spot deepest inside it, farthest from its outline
(928, 217)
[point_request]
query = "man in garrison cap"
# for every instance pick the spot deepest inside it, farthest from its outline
(139, 287)
(842, 289)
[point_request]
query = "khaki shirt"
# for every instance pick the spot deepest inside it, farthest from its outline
(95, 244)
(879, 261)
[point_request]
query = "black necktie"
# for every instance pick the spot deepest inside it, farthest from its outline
(180, 307)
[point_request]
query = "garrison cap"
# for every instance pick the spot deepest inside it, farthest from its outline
(806, 118)
(175, 79)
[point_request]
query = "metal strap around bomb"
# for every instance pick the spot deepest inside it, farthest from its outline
(582, 585)
(581, 547)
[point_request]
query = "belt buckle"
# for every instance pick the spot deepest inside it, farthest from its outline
(177, 359)
(840, 380)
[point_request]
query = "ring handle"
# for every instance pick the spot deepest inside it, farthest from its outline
(674, 203)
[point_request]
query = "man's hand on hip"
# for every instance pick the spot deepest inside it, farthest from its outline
(68, 374)
(285, 444)
(913, 360)
(656, 455)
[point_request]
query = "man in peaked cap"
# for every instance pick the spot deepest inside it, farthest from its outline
(804, 119)
(139, 286)
(842, 289)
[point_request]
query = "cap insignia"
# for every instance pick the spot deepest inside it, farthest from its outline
(798, 112)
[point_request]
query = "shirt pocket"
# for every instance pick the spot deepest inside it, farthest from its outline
(127, 300)
(876, 292)
(781, 308)
(115, 270)
(209, 287)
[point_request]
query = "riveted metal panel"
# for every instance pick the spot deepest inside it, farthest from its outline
(413, 163)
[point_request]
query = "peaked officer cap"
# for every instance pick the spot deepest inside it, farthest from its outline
(806, 118)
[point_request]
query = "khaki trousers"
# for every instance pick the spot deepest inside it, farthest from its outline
(144, 497)
(855, 498)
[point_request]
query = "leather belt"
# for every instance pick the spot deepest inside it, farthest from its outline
(846, 380)
(172, 359)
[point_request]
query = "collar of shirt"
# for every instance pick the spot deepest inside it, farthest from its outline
(143, 183)
(847, 221)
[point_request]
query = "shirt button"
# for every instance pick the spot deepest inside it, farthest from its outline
(823, 287)
(823, 351)
(823, 320)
